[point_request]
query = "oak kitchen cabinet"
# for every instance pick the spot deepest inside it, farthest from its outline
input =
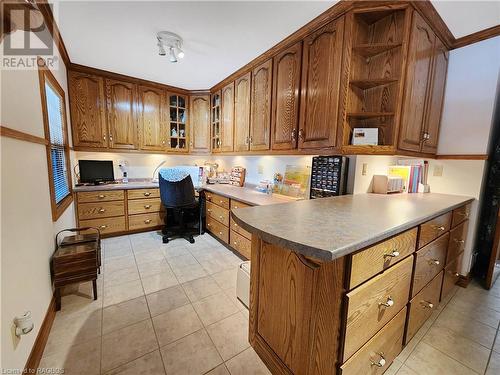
(88, 110)
(177, 137)
(227, 121)
(121, 114)
(242, 92)
(200, 123)
(260, 104)
(424, 91)
(285, 101)
(320, 92)
(151, 115)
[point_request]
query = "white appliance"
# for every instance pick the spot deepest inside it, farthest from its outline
(243, 283)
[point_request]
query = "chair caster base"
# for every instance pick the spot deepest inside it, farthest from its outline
(190, 239)
(165, 239)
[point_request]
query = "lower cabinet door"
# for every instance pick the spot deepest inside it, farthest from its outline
(106, 225)
(378, 353)
(451, 275)
(423, 305)
(242, 244)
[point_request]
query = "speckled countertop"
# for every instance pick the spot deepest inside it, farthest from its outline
(330, 228)
(244, 194)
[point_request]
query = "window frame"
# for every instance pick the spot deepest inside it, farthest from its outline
(46, 76)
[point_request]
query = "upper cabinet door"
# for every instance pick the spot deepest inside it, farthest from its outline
(121, 111)
(436, 98)
(242, 112)
(151, 118)
(87, 104)
(260, 123)
(200, 123)
(418, 75)
(286, 86)
(227, 117)
(320, 93)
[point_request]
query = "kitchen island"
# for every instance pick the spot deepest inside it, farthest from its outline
(340, 285)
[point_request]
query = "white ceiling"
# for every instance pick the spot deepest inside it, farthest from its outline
(219, 37)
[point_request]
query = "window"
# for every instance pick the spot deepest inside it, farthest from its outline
(56, 134)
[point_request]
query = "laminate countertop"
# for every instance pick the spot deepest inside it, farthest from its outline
(330, 228)
(243, 194)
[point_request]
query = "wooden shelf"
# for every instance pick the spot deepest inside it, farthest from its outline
(368, 149)
(371, 83)
(369, 50)
(369, 114)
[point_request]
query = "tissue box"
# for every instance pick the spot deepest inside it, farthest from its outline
(365, 136)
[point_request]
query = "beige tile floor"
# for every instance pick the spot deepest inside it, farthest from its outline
(172, 309)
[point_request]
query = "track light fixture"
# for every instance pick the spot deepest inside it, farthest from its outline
(172, 42)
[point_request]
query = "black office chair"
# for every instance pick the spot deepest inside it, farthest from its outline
(182, 208)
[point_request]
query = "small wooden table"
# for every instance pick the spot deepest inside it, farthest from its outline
(77, 259)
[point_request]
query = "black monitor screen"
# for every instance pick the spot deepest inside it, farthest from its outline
(96, 171)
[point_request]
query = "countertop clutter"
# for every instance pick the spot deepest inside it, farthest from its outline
(330, 228)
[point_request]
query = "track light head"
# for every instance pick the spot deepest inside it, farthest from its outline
(161, 49)
(172, 42)
(173, 57)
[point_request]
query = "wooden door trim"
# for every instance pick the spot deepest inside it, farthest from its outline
(141, 89)
(22, 136)
(266, 67)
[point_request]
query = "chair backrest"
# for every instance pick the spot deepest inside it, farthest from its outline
(178, 193)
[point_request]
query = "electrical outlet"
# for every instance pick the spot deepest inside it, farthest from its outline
(438, 170)
(363, 170)
(260, 169)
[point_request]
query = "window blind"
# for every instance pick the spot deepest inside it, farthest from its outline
(55, 115)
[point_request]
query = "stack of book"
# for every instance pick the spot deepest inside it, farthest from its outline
(414, 173)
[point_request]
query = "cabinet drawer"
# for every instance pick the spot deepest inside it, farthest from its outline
(422, 306)
(451, 275)
(217, 199)
(100, 196)
(375, 259)
(97, 210)
(241, 244)
(381, 349)
(143, 193)
(106, 225)
(148, 220)
(218, 229)
(456, 245)
(235, 227)
(434, 228)
(75, 268)
(218, 213)
(238, 204)
(366, 312)
(142, 206)
(460, 214)
(429, 262)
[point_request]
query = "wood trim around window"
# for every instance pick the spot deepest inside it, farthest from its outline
(44, 74)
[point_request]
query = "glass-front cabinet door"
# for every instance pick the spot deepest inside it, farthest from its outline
(177, 130)
(215, 122)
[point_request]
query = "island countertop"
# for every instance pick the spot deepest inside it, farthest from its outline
(330, 228)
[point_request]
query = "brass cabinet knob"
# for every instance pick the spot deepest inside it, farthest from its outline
(103, 226)
(101, 210)
(427, 304)
(439, 227)
(393, 254)
(209, 210)
(381, 362)
(208, 224)
(220, 233)
(294, 135)
(147, 194)
(147, 206)
(434, 262)
(101, 196)
(388, 303)
(147, 221)
(221, 217)
(458, 241)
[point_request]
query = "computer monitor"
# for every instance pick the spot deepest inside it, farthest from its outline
(96, 171)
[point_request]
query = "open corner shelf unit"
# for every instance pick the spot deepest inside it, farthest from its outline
(378, 39)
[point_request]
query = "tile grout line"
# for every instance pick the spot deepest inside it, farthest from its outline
(491, 351)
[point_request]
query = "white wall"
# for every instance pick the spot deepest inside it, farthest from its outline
(27, 238)
(471, 85)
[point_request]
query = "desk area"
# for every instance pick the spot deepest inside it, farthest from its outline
(122, 208)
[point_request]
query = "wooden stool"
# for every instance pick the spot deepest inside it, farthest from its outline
(77, 259)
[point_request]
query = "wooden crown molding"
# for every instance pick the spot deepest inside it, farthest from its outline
(477, 37)
(124, 77)
(463, 157)
(22, 136)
